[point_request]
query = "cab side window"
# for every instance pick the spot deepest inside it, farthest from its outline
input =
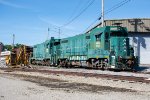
(98, 40)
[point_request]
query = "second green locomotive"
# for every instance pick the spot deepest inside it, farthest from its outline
(102, 47)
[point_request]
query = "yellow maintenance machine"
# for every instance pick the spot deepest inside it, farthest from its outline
(19, 56)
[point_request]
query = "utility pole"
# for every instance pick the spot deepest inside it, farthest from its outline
(48, 33)
(59, 33)
(102, 13)
(13, 41)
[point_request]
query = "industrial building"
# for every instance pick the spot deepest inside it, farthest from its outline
(139, 33)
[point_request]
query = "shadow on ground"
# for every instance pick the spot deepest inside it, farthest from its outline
(69, 86)
(143, 68)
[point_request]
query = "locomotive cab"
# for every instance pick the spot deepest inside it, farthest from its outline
(108, 48)
(121, 53)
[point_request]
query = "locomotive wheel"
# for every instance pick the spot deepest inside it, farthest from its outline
(89, 65)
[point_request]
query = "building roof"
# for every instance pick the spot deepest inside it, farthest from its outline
(134, 25)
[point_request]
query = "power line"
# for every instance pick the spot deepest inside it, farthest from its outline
(73, 12)
(118, 5)
(56, 29)
(89, 2)
(79, 14)
(90, 25)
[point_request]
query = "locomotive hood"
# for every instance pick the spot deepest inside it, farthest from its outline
(120, 46)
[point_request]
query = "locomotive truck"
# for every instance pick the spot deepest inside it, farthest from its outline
(102, 47)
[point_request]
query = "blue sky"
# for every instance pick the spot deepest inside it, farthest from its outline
(29, 19)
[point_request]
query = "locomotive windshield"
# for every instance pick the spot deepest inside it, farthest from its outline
(119, 34)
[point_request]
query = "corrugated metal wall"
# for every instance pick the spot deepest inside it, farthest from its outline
(139, 32)
(133, 25)
(141, 47)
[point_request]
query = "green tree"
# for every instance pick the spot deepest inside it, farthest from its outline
(8, 47)
(18, 45)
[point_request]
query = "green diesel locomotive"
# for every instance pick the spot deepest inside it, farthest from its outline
(102, 47)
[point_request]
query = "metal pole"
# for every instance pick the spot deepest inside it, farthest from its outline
(102, 13)
(59, 32)
(13, 41)
(48, 33)
(0, 50)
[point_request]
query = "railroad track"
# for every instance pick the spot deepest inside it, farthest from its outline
(130, 79)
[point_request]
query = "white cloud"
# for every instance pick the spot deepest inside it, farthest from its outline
(48, 21)
(4, 2)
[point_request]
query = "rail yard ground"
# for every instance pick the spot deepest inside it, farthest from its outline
(45, 83)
